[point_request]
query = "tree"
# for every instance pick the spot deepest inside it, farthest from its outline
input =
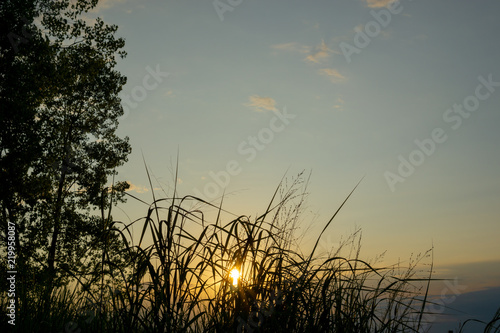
(59, 115)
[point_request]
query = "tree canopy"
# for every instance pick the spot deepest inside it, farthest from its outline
(58, 144)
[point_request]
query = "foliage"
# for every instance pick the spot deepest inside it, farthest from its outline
(58, 142)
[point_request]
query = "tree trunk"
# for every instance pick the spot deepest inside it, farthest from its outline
(57, 227)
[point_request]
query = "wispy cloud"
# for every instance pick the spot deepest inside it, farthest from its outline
(315, 54)
(137, 189)
(261, 104)
(169, 93)
(476, 275)
(319, 53)
(378, 3)
(339, 104)
(332, 74)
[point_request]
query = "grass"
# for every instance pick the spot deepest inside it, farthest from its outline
(178, 279)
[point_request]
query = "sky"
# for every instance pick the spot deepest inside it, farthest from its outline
(404, 95)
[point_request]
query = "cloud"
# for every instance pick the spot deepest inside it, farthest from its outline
(339, 104)
(319, 53)
(315, 54)
(137, 189)
(476, 275)
(378, 3)
(261, 104)
(332, 74)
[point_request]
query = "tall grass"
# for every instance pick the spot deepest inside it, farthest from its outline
(178, 278)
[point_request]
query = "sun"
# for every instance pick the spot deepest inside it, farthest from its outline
(235, 274)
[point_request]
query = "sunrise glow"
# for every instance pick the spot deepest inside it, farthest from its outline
(235, 275)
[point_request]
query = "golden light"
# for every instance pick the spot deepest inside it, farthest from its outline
(235, 274)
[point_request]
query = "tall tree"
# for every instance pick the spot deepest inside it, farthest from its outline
(59, 115)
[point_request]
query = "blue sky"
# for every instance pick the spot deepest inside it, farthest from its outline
(256, 88)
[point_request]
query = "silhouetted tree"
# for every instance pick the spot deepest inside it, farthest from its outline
(58, 143)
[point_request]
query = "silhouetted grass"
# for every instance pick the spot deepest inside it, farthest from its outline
(178, 279)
